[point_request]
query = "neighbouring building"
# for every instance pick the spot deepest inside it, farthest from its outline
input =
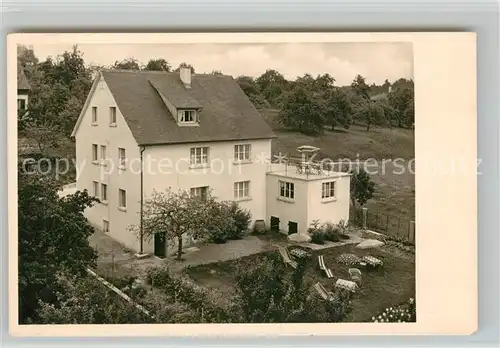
(141, 131)
(23, 89)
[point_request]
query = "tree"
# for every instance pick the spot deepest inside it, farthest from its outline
(178, 214)
(127, 64)
(401, 99)
(339, 109)
(43, 136)
(362, 187)
(272, 84)
(53, 238)
(185, 65)
(304, 111)
(372, 112)
(26, 59)
(216, 72)
(159, 64)
(59, 88)
(360, 87)
(252, 91)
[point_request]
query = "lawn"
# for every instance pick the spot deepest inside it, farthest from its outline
(390, 286)
(395, 188)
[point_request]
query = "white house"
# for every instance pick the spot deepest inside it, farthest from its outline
(23, 89)
(141, 131)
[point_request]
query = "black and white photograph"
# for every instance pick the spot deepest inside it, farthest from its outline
(216, 183)
(219, 183)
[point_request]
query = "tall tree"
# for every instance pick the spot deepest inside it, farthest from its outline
(339, 109)
(252, 91)
(401, 99)
(53, 238)
(159, 64)
(59, 88)
(272, 84)
(304, 111)
(360, 87)
(372, 113)
(362, 187)
(175, 215)
(127, 64)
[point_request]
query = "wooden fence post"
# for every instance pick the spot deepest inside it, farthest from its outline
(364, 217)
(411, 236)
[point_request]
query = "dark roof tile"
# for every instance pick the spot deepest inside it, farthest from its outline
(226, 114)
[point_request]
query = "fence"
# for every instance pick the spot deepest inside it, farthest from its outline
(390, 225)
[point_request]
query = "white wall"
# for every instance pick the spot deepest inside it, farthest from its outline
(24, 97)
(286, 211)
(170, 169)
(113, 137)
(332, 210)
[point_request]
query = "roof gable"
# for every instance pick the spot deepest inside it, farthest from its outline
(22, 80)
(226, 112)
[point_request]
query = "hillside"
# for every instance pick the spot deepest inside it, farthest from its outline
(395, 188)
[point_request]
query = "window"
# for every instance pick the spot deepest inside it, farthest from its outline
(112, 115)
(122, 199)
(21, 104)
(287, 189)
(328, 190)
(105, 226)
(96, 189)
(94, 115)
(199, 155)
(242, 152)
(103, 152)
(104, 192)
(200, 192)
(242, 189)
(94, 153)
(187, 116)
(121, 157)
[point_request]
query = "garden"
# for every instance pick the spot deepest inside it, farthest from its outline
(386, 287)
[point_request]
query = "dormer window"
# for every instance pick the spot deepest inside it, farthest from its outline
(187, 116)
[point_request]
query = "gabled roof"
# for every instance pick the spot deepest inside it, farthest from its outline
(22, 80)
(226, 112)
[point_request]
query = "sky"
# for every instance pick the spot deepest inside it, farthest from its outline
(376, 61)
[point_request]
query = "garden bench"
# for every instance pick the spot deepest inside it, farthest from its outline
(372, 261)
(348, 285)
(286, 257)
(325, 294)
(298, 252)
(322, 266)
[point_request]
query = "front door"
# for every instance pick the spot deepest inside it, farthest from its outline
(160, 248)
(292, 227)
(275, 224)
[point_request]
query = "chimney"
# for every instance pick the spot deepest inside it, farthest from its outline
(185, 74)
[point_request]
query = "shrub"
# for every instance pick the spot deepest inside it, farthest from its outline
(233, 225)
(208, 303)
(331, 232)
(318, 237)
(241, 218)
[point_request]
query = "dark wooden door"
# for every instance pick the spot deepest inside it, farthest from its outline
(275, 224)
(160, 247)
(292, 227)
